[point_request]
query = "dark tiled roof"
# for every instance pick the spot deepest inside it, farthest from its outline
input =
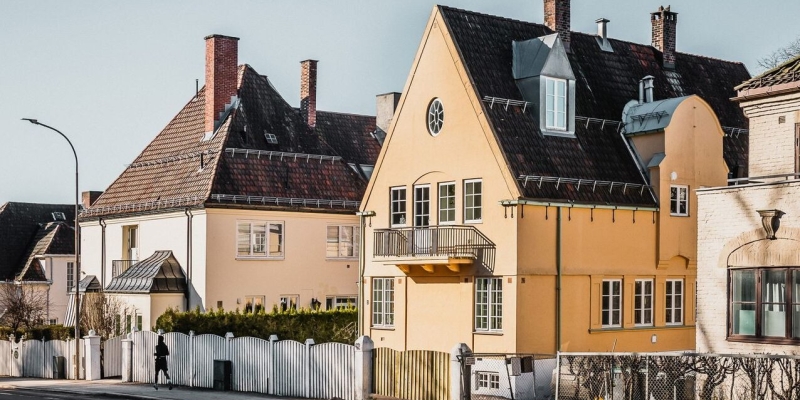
(167, 174)
(19, 230)
(787, 72)
(605, 82)
(159, 273)
(51, 238)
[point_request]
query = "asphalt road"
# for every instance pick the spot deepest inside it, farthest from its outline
(26, 394)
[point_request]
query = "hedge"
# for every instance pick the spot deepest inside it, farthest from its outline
(48, 332)
(322, 326)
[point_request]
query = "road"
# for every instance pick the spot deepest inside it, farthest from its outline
(26, 394)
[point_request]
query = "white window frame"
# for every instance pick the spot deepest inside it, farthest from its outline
(252, 299)
(392, 201)
(341, 245)
(487, 380)
(609, 312)
(489, 304)
(251, 238)
(288, 302)
(422, 203)
(552, 102)
(70, 276)
(473, 207)
(641, 295)
(675, 202)
(383, 307)
(341, 302)
(442, 203)
(676, 307)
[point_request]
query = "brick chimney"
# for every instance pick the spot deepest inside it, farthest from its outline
(308, 91)
(222, 53)
(556, 17)
(664, 31)
(88, 198)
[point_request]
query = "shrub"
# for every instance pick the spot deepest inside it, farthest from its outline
(322, 326)
(48, 332)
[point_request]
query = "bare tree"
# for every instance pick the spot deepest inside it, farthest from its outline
(22, 305)
(101, 313)
(781, 55)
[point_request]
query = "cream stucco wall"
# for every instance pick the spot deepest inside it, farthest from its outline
(772, 133)
(56, 272)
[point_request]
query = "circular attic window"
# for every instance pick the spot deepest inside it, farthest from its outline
(435, 117)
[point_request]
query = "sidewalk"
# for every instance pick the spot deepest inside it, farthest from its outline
(117, 389)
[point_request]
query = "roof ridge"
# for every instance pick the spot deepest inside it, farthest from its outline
(342, 113)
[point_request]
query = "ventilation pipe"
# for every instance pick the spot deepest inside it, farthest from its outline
(602, 28)
(646, 89)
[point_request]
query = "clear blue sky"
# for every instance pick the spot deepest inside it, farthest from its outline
(110, 75)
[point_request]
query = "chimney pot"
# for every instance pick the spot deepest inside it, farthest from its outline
(602, 28)
(646, 89)
(664, 34)
(557, 18)
(308, 91)
(222, 53)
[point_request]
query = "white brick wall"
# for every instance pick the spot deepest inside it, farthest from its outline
(771, 141)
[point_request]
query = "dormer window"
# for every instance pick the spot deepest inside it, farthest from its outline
(555, 104)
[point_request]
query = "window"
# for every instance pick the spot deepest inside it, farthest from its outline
(130, 242)
(398, 206)
(128, 323)
(612, 303)
(447, 203)
(472, 200)
(679, 200)
(556, 104)
(70, 276)
(643, 302)
(488, 380)
(253, 304)
(259, 239)
(383, 302)
(53, 321)
(435, 117)
(765, 304)
(422, 205)
(139, 322)
(219, 304)
(340, 302)
(117, 325)
(674, 300)
(342, 241)
(488, 304)
(289, 302)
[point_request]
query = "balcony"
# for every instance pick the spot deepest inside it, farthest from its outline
(120, 266)
(427, 246)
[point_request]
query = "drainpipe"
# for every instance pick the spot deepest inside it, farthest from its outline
(361, 266)
(558, 281)
(189, 217)
(102, 253)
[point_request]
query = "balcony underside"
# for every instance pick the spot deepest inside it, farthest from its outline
(431, 265)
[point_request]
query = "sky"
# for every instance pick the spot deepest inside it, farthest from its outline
(111, 75)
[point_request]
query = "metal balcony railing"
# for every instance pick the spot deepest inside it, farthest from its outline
(120, 266)
(435, 241)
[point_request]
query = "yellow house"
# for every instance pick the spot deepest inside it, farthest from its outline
(535, 191)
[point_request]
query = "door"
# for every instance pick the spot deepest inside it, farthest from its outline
(132, 243)
(422, 216)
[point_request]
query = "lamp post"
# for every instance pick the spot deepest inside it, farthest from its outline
(77, 362)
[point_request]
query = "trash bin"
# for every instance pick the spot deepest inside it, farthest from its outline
(59, 367)
(222, 374)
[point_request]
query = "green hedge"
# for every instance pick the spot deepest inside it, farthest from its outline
(322, 326)
(48, 332)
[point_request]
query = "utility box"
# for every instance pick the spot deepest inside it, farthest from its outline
(59, 367)
(223, 370)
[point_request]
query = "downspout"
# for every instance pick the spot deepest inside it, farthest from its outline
(102, 253)
(558, 281)
(362, 261)
(187, 294)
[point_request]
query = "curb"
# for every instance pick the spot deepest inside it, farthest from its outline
(80, 393)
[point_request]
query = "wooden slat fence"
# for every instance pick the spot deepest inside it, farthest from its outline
(411, 374)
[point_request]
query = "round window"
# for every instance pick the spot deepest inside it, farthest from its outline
(435, 117)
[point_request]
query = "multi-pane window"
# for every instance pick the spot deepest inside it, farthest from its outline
(488, 380)
(447, 203)
(340, 302)
(289, 302)
(259, 239)
(643, 302)
(342, 241)
(383, 302)
(674, 302)
(488, 304)
(612, 303)
(679, 200)
(422, 205)
(473, 200)
(398, 206)
(139, 322)
(70, 276)
(765, 303)
(253, 304)
(556, 104)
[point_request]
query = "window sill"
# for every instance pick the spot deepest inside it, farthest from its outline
(762, 340)
(488, 333)
(641, 328)
(558, 133)
(678, 215)
(246, 258)
(382, 328)
(341, 258)
(475, 222)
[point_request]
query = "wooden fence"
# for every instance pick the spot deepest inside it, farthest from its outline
(411, 374)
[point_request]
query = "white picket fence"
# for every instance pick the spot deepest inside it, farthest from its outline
(34, 358)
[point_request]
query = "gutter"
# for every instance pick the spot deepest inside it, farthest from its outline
(361, 266)
(524, 202)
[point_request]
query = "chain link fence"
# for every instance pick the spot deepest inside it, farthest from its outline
(511, 376)
(689, 376)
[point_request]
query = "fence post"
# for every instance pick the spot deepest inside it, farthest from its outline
(646, 377)
(191, 358)
(558, 372)
(271, 365)
(307, 383)
(127, 358)
(363, 371)
(228, 337)
(91, 345)
(460, 383)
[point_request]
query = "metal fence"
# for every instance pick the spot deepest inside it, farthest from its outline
(510, 376)
(660, 376)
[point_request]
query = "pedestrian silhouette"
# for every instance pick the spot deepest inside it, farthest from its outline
(162, 351)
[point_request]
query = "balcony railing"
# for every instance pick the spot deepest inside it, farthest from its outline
(120, 266)
(457, 241)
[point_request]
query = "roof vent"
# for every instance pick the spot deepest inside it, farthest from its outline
(59, 216)
(646, 89)
(602, 35)
(271, 138)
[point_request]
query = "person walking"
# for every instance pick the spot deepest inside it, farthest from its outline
(162, 351)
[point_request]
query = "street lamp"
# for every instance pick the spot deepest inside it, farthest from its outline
(77, 362)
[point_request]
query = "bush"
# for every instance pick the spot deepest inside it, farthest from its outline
(322, 326)
(48, 332)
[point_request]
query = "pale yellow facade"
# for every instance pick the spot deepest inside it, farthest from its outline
(434, 298)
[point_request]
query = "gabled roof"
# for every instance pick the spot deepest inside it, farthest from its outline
(178, 169)
(605, 82)
(51, 238)
(159, 273)
(23, 227)
(787, 72)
